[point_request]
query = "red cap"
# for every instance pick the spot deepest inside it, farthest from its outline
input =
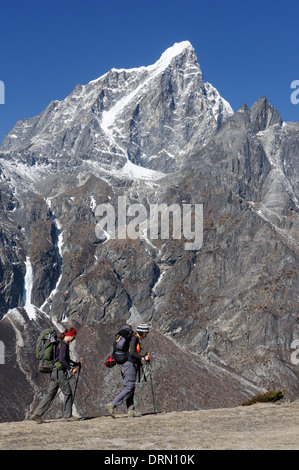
(73, 332)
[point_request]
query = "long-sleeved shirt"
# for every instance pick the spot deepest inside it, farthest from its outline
(64, 356)
(134, 356)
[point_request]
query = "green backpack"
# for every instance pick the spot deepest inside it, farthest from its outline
(47, 350)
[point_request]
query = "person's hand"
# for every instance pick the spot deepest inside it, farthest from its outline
(74, 371)
(147, 357)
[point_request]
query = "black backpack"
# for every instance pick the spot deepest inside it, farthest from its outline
(121, 345)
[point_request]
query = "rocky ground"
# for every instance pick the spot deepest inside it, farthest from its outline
(257, 427)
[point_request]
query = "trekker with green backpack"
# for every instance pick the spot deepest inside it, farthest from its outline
(58, 366)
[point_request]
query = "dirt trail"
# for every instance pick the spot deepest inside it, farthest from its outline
(262, 426)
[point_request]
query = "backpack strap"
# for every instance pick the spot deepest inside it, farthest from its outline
(42, 349)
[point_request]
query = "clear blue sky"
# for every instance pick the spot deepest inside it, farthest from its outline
(246, 49)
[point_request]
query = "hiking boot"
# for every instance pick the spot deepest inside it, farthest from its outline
(70, 419)
(38, 419)
(110, 408)
(134, 414)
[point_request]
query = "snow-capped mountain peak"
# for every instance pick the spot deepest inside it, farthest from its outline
(172, 52)
(152, 116)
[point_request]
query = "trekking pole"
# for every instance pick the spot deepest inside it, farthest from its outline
(75, 389)
(152, 387)
(142, 378)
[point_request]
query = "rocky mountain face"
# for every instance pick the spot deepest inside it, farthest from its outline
(138, 139)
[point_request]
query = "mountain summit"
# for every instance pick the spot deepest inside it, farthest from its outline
(152, 116)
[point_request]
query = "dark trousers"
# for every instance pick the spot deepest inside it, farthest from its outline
(58, 380)
(128, 372)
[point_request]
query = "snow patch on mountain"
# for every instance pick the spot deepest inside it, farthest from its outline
(28, 284)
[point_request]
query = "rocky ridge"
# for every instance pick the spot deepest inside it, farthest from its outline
(182, 381)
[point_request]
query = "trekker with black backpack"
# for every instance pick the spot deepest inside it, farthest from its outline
(129, 372)
(121, 346)
(59, 367)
